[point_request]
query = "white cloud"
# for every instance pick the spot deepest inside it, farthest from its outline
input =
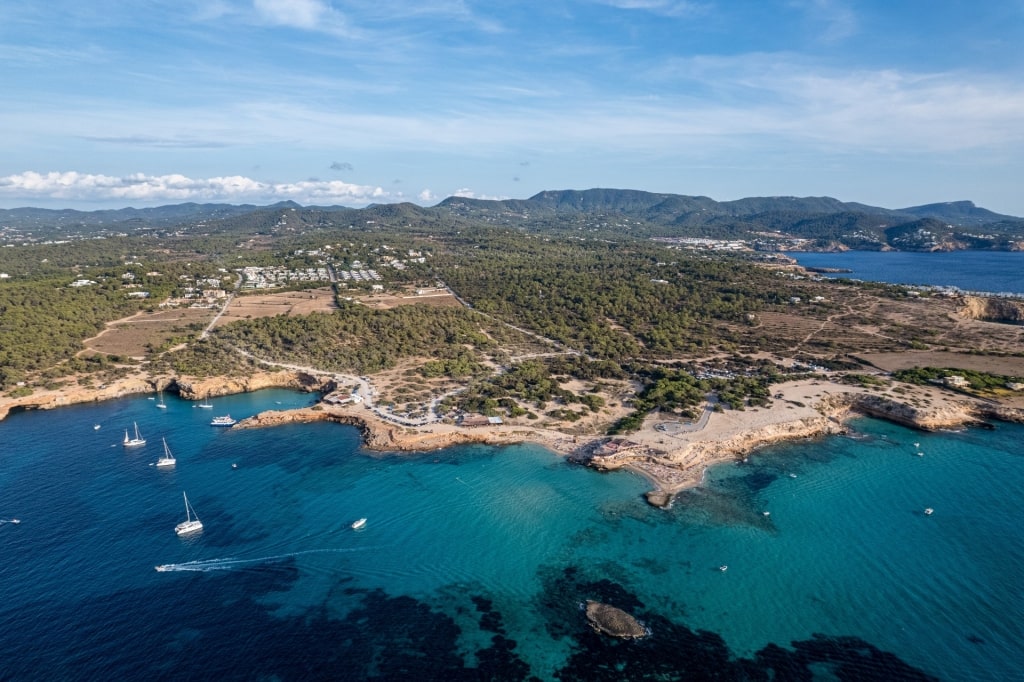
(838, 19)
(138, 187)
(670, 8)
(426, 196)
(467, 193)
(311, 15)
(297, 13)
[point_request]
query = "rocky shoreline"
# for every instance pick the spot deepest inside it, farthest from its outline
(670, 462)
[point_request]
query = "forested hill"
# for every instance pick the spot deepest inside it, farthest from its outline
(821, 223)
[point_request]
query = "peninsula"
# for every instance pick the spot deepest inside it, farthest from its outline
(617, 342)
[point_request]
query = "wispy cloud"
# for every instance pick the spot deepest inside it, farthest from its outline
(312, 15)
(669, 8)
(836, 18)
(160, 142)
(75, 186)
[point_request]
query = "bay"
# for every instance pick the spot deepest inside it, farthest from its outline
(474, 560)
(982, 271)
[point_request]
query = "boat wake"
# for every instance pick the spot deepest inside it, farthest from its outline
(233, 563)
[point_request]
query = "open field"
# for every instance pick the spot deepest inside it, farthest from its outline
(384, 301)
(283, 303)
(890, 362)
(130, 336)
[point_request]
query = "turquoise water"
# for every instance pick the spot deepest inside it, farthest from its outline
(988, 271)
(474, 560)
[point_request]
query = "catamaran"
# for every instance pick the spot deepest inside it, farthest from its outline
(132, 442)
(168, 459)
(191, 524)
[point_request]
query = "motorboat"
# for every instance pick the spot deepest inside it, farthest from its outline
(359, 524)
(225, 420)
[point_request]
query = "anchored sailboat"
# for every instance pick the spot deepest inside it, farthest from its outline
(191, 524)
(168, 459)
(132, 442)
(161, 404)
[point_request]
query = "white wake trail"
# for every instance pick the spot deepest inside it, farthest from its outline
(233, 563)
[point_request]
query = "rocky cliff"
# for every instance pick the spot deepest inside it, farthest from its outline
(188, 388)
(1006, 310)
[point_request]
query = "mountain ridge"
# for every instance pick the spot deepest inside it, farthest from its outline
(820, 223)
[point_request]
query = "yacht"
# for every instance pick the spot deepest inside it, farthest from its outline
(226, 420)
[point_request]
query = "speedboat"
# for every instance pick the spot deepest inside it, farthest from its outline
(358, 525)
(161, 567)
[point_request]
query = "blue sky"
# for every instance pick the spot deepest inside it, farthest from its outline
(894, 103)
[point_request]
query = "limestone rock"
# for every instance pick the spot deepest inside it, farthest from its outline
(608, 620)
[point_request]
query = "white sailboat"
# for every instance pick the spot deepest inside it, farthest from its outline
(191, 524)
(161, 403)
(132, 442)
(206, 404)
(167, 460)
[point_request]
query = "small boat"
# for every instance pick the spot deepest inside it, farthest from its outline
(162, 405)
(191, 524)
(357, 525)
(15, 521)
(226, 420)
(95, 427)
(161, 567)
(723, 568)
(792, 475)
(234, 466)
(206, 404)
(917, 445)
(766, 513)
(168, 459)
(928, 511)
(132, 442)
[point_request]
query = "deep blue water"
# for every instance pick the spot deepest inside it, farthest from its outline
(474, 559)
(989, 271)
